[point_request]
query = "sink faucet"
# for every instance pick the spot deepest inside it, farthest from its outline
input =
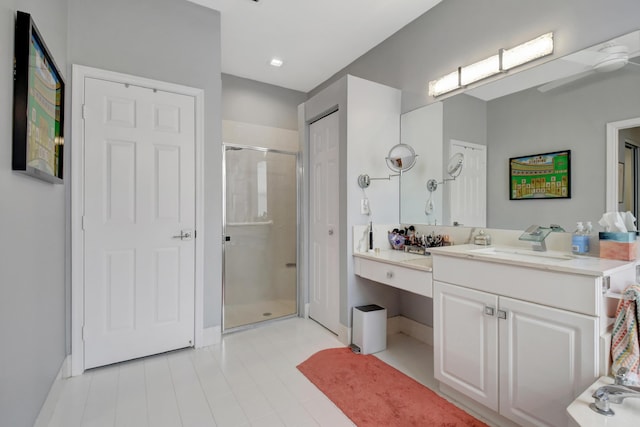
(536, 235)
(608, 394)
(616, 393)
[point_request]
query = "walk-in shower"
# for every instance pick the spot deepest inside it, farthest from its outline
(260, 235)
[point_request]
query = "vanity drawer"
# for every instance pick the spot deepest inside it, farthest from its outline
(409, 279)
(565, 291)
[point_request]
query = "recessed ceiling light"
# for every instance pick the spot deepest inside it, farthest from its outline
(276, 62)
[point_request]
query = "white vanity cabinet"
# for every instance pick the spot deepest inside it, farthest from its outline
(521, 341)
(523, 360)
(414, 278)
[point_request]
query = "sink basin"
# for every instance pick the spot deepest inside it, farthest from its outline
(523, 253)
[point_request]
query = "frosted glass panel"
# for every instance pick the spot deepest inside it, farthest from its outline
(260, 280)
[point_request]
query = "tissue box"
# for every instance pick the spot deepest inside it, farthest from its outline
(621, 246)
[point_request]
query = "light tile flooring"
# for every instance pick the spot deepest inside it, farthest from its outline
(243, 313)
(249, 379)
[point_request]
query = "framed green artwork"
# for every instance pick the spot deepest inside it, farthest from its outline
(540, 176)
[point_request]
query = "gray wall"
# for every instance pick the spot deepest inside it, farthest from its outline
(249, 101)
(573, 117)
(32, 243)
(456, 32)
(173, 41)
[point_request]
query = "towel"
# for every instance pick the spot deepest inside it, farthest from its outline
(625, 341)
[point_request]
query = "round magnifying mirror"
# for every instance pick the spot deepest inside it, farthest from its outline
(454, 168)
(401, 158)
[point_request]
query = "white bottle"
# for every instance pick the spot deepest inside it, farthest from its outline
(588, 231)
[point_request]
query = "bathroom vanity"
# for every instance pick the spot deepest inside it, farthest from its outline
(521, 333)
(402, 270)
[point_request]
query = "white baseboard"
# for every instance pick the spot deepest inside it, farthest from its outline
(422, 333)
(306, 311)
(344, 334)
(49, 406)
(211, 336)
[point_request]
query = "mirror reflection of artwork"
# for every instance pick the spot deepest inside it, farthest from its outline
(540, 176)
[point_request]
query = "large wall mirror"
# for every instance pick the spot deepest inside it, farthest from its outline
(564, 104)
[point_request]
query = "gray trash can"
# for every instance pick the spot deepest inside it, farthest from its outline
(369, 328)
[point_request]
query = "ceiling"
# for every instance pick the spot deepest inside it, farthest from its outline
(315, 39)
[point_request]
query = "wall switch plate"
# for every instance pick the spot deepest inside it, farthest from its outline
(364, 207)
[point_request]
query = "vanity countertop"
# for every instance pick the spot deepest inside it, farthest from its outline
(627, 414)
(524, 257)
(396, 257)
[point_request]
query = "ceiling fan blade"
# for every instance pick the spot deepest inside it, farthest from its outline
(564, 81)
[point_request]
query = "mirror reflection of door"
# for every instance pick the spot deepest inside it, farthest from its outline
(629, 162)
(260, 249)
(468, 192)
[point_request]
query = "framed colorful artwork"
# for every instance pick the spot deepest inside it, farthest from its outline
(540, 176)
(38, 105)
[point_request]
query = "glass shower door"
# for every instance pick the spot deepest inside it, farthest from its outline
(260, 249)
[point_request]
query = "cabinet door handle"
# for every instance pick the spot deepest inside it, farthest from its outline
(489, 311)
(502, 314)
(389, 274)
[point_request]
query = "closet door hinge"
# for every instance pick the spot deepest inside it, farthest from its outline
(84, 111)
(82, 332)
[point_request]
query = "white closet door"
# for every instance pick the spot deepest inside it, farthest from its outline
(139, 195)
(324, 304)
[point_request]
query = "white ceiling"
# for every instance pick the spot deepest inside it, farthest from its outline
(314, 38)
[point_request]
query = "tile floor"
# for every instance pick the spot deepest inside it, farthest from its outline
(243, 313)
(249, 379)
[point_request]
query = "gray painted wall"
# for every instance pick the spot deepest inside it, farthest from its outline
(456, 32)
(249, 101)
(573, 117)
(32, 248)
(173, 41)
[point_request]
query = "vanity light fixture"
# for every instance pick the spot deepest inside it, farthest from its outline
(505, 60)
(480, 70)
(445, 84)
(276, 62)
(526, 52)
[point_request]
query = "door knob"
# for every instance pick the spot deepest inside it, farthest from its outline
(331, 232)
(184, 235)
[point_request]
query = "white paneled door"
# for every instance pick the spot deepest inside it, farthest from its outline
(324, 301)
(468, 192)
(139, 221)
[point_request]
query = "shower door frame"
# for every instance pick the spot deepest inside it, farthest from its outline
(299, 231)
